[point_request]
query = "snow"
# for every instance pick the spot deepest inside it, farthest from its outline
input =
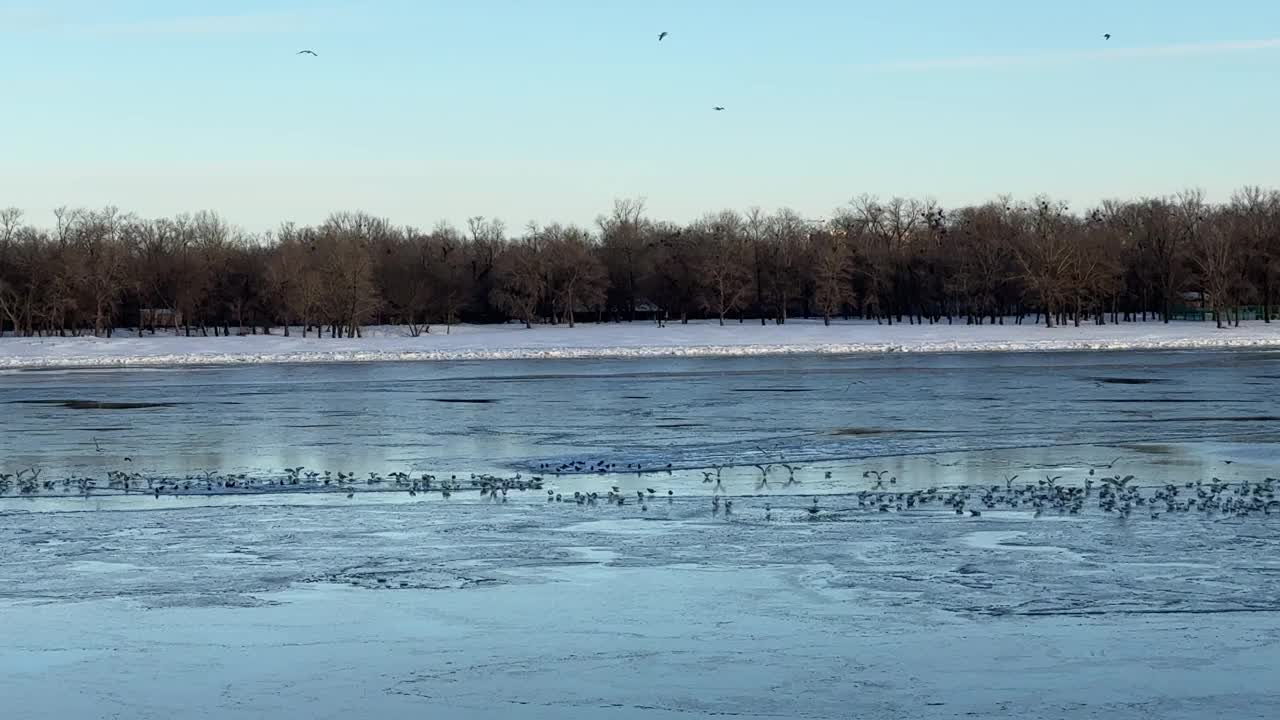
(698, 339)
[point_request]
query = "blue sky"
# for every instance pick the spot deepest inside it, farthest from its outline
(423, 110)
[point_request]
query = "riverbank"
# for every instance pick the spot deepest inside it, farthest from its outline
(699, 339)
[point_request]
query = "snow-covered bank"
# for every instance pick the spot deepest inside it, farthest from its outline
(623, 340)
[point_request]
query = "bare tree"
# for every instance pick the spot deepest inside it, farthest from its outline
(722, 264)
(575, 274)
(451, 282)
(1154, 225)
(985, 267)
(867, 226)
(786, 235)
(1258, 214)
(346, 241)
(103, 256)
(1216, 252)
(93, 271)
(831, 266)
(628, 256)
(290, 273)
(22, 272)
(675, 282)
(755, 228)
(902, 221)
(487, 238)
(1046, 251)
(403, 274)
(520, 280)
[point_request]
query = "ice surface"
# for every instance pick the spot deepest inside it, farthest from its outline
(547, 611)
(926, 419)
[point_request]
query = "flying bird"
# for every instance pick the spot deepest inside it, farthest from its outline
(1106, 36)
(718, 108)
(312, 53)
(662, 35)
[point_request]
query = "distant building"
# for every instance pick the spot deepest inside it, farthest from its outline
(645, 310)
(152, 318)
(1191, 306)
(1194, 300)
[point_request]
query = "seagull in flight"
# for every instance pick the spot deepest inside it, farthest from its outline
(718, 108)
(662, 35)
(312, 53)
(1107, 36)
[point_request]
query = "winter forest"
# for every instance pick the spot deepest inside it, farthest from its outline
(892, 261)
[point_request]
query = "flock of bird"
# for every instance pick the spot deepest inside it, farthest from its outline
(661, 36)
(1120, 496)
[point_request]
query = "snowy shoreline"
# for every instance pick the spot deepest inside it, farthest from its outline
(638, 340)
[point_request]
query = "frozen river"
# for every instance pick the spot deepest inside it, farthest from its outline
(930, 419)
(393, 606)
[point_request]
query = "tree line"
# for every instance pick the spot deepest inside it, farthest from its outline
(892, 261)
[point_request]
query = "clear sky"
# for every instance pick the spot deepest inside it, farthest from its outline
(431, 109)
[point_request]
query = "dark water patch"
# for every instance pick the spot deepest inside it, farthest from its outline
(311, 427)
(783, 390)
(1244, 418)
(94, 404)
(863, 432)
(636, 397)
(101, 429)
(1128, 381)
(1092, 612)
(677, 426)
(1167, 400)
(463, 401)
(70, 370)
